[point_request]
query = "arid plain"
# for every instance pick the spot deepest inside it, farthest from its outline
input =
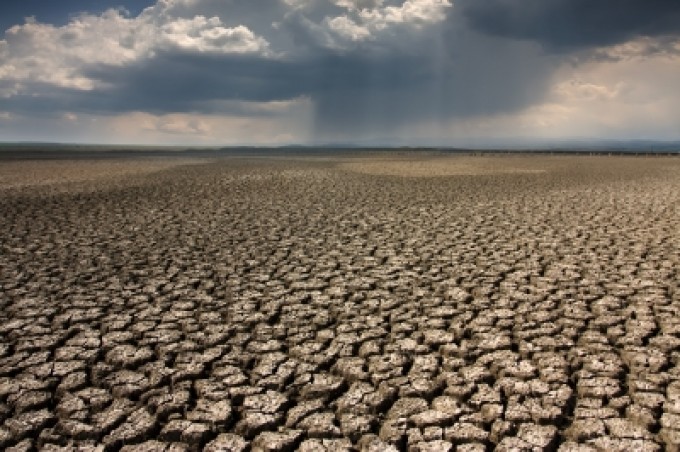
(420, 302)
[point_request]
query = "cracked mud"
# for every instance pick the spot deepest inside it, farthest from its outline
(509, 303)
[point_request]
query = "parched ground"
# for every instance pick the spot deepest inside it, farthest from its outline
(375, 304)
(28, 173)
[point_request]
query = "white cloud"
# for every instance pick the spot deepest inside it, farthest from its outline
(179, 125)
(413, 12)
(367, 19)
(643, 47)
(358, 4)
(579, 90)
(59, 56)
(297, 4)
(204, 35)
(348, 29)
(37, 56)
(257, 123)
(201, 129)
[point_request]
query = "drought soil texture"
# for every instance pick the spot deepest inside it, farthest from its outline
(507, 303)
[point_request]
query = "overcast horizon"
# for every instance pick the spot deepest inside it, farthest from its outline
(459, 73)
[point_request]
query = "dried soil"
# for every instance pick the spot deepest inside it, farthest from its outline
(421, 304)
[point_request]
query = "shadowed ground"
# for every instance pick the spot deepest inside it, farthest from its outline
(405, 303)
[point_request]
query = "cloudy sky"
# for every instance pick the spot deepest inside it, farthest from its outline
(398, 72)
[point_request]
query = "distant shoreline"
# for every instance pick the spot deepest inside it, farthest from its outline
(63, 151)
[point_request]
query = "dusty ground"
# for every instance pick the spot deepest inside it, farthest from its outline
(437, 165)
(511, 302)
(28, 173)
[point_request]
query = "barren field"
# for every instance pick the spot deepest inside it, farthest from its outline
(341, 304)
(27, 173)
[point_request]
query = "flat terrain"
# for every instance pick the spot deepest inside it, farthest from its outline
(404, 302)
(27, 173)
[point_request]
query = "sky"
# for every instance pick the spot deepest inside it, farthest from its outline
(479, 73)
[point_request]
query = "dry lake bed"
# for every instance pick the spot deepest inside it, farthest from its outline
(342, 303)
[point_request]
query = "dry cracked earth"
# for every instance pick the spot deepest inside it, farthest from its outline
(344, 304)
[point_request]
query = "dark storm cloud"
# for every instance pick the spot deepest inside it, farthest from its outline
(462, 66)
(352, 91)
(563, 25)
(180, 82)
(415, 74)
(472, 75)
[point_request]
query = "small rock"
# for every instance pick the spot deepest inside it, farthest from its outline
(211, 412)
(393, 430)
(570, 446)
(155, 446)
(431, 417)
(542, 437)
(465, 432)
(77, 430)
(407, 406)
(136, 428)
(227, 442)
(185, 431)
(269, 402)
(302, 410)
(253, 423)
(623, 428)
(624, 444)
(29, 423)
(320, 425)
(371, 443)
(355, 426)
(471, 447)
(432, 446)
(24, 446)
(326, 445)
(276, 441)
(584, 429)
